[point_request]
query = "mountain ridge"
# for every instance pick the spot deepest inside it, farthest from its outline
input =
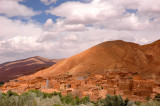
(110, 56)
(107, 56)
(14, 69)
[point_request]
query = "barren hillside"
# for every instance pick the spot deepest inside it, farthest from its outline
(15, 69)
(109, 56)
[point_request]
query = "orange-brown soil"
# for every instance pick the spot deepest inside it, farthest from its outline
(109, 56)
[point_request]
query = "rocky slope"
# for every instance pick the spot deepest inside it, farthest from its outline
(15, 69)
(109, 56)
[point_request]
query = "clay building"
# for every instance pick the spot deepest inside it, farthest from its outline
(86, 93)
(40, 79)
(137, 77)
(145, 93)
(144, 85)
(103, 93)
(65, 86)
(127, 92)
(81, 77)
(75, 85)
(125, 85)
(13, 81)
(100, 76)
(65, 92)
(55, 84)
(111, 91)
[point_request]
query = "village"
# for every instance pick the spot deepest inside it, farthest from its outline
(96, 86)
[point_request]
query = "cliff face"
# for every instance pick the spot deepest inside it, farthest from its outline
(15, 69)
(109, 56)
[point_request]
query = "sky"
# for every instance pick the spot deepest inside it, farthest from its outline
(62, 28)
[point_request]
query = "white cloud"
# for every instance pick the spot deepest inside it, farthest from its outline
(17, 37)
(48, 2)
(86, 13)
(52, 31)
(108, 13)
(48, 25)
(99, 21)
(81, 25)
(49, 22)
(20, 43)
(11, 8)
(145, 7)
(47, 36)
(11, 28)
(60, 25)
(71, 37)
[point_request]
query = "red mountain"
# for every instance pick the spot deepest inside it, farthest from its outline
(15, 69)
(109, 56)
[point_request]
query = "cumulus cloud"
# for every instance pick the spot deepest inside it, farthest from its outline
(80, 26)
(10, 28)
(109, 13)
(102, 20)
(83, 25)
(20, 44)
(145, 7)
(71, 37)
(47, 36)
(12, 8)
(18, 37)
(86, 13)
(48, 2)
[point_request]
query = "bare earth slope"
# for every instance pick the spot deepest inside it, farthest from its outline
(108, 56)
(153, 55)
(15, 69)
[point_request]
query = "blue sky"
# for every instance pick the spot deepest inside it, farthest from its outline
(63, 28)
(37, 5)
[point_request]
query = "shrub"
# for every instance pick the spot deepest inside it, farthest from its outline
(68, 99)
(130, 103)
(10, 93)
(57, 105)
(114, 101)
(150, 103)
(1, 95)
(157, 97)
(126, 102)
(38, 98)
(57, 93)
(138, 103)
(148, 98)
(85, 100)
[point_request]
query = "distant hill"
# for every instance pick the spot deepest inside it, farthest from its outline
(15, 69)
(111, 56)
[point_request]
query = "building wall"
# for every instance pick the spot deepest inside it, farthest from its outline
(125, 86)
(111, 91)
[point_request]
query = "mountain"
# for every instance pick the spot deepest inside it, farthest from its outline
(15, 69)
(111, 56)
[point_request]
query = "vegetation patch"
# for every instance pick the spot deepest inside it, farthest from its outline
(38, 98)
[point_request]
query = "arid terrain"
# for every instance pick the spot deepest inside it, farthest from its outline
(15, 69)
(109, 56)
(113, 67)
